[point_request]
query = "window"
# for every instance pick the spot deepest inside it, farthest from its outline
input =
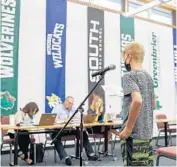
(134, 6)
(163, 16)
(111, 4)
(155, 13)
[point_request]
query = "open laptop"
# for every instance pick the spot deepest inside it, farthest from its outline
(90, 118)
(47, 119)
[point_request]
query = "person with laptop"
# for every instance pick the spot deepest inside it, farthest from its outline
(65, 111)
(24, 116)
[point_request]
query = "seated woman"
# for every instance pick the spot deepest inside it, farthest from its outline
(28, 114)
(96, 107)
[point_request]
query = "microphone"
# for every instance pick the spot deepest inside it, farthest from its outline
(103, 71)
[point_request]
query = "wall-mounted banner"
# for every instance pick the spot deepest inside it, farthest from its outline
(9, 36)
(127, 35)
(175, 57)
(95, 51)
(175, 65)
(55, 52)
(155, 66)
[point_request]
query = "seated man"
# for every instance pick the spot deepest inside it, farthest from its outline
(64, 111)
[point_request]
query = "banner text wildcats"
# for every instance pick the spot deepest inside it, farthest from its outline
(54, 42)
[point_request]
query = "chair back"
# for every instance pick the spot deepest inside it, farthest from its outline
(159, 124)
(5, 120)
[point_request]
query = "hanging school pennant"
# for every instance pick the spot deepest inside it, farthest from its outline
(9, 35)
(95, 22)
(175, 56)
(127, 35)
(175, 64)
(55, 52)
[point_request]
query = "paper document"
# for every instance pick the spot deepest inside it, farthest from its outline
(112, 90)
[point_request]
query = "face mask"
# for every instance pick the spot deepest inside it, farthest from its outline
(127, 66)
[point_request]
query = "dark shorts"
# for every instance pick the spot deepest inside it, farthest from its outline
(137, 152)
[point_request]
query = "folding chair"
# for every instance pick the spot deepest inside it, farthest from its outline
(5, 139)
(168, 152)
(161, 129)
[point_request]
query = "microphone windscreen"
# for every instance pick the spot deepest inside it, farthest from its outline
(112, 67)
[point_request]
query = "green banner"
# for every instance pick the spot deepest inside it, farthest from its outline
(9, 34)
(126, 36)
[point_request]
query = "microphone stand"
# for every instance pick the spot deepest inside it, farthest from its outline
(79, 108)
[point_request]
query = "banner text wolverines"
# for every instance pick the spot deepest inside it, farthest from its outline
(8, 10)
